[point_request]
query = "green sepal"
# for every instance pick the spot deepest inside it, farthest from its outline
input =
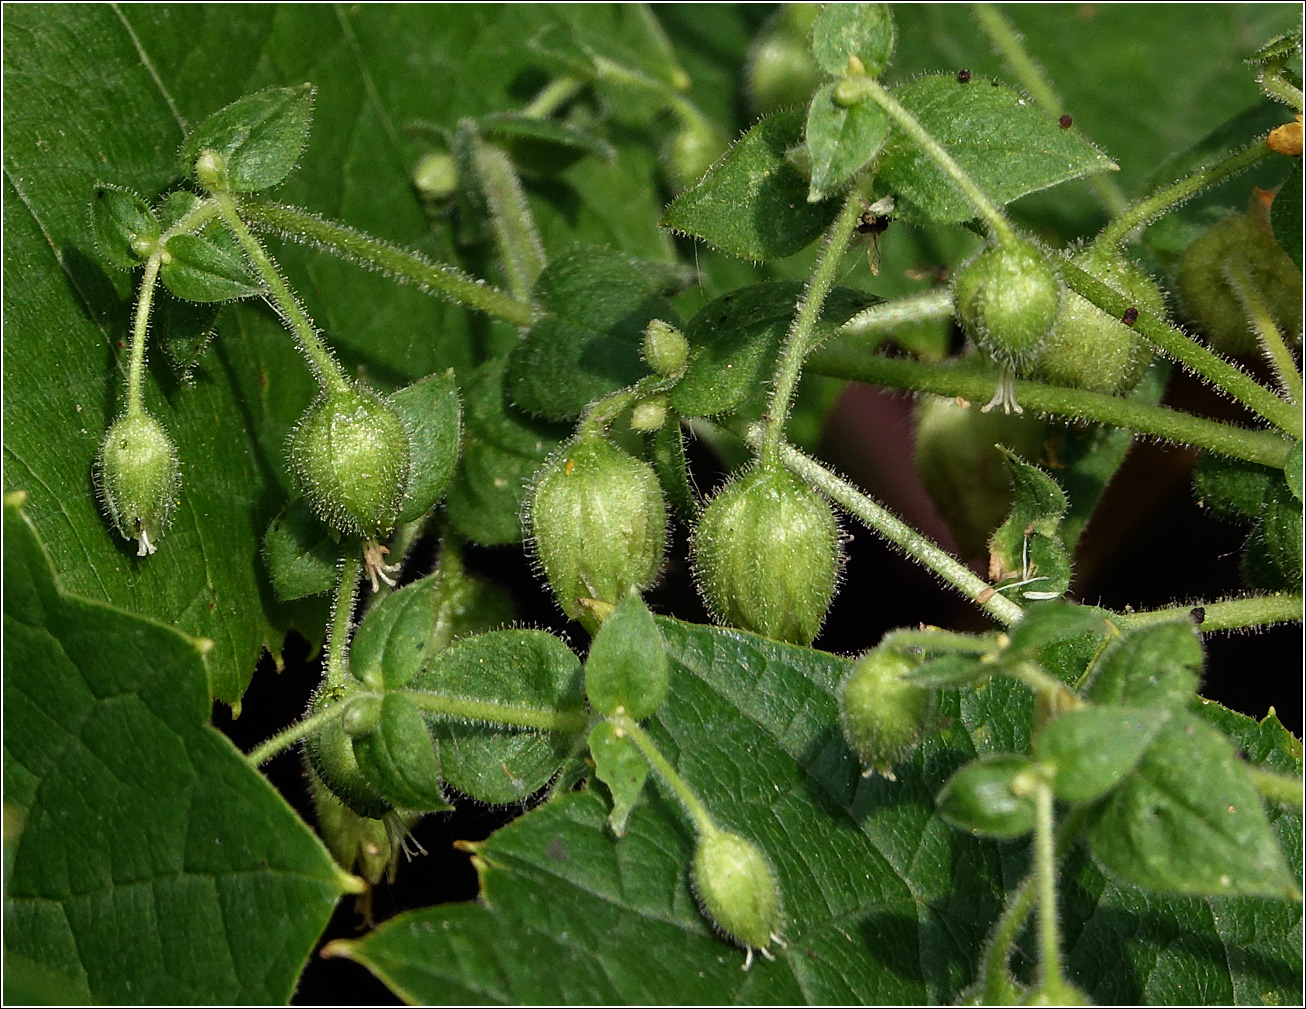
(302, 556)
(842, 140)
(844, 31)
(1292, 470)
(1094, 749)
(1190, 821)
(1038, 556)
(1231, 488)
(619, 765)
(432, 416)
(1272, 558)
(883, 709)
(124, 226)
(359, 844)
(1148, 667)
(330, 754)
(399, 758)
(183, 329)
(737, 888)
(982, 799)
(526, 668)
(1286, 214)
(260, 137)
(667, 453)
(1277, 50)
(203, 268)
(753, 202)
(627, 664)
(392, 643)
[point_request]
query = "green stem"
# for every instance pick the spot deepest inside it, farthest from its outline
(192, 221)
(687, 111)
(1178, 346)
(1225, 614)
(906, 122)
(851, 362)
(1151, 207)
(1267, 332)
(625, 725)
(798, 342)
(328, 374)
(551, 97)
(1045, 871)
(1006, 40)
(302, 729)
(519, 245)
(140, 329)
(880, 520)
(1274, 84)
(342, 612)
(517, 716)
(600, 415)
(938, 640)
(1278, 787)
(436, 278)
(889, 315)
(1034, 678)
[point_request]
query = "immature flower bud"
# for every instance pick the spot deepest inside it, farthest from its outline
(737, 889)
(1007, 299)
(767, 556)
(350, 454)
(137, 476)
(597, 523)
(991, 797)
(883, 713)
(665, 348)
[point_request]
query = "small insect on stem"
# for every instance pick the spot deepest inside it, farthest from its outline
(873, 222)
(1130, 317)
(1065, 122)
(963, 76)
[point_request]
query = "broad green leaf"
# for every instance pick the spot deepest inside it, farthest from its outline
(753, 202)
(842, 140)
(525, 668)
(201, 269)
(433, 417)
(734, 341)
(124, 226)
(1286, 214)
(301, 555)
(1190, 821)
(619, 764)
(599, 304)
(627, 664)
(1004, 141)
(260, 137)
(1148, 667)
(146, 861)
(1093, 749)
(853, 30)
(1028, 547)
(883, 902)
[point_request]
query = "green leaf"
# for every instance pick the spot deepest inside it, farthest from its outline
(599, 304)
(301, 555)
(1028, 545)
(1190, 821)
(146, 861)
(526, 668)
(1148, 667)
(124, 225)
(432, 416)
(619, 764)
(627, 664)
(392, 642)
(203, 270)
(184, 329)
(982, 797)
(1286, 214)
(1004, 141)
(1292, 470)
(1231, 488)
(398, 757)
(543, 145)
(753, 202)
(259, 136)
(842, 140)
(1094, 749)
(734, 341)
(847, 30)
(1277, 49)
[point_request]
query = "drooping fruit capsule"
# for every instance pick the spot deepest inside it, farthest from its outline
(1007, 299)
(350, 455)
(137, 477)
(597, 523)
(330, 753)
(883, 713)
(737, 888)
(767, 555)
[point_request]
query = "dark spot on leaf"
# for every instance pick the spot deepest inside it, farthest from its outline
(1064, 122)
(556, 850)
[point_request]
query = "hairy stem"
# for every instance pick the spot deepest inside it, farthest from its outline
(1007, 41)
(846, 360)
(889, 315)
(516, 716)
(1278, 787)
(627, 726)
(1224, 614)
(140, 330)
(302, 729)
(1276, 86)
(519, 245)
(1045, 870)
(798, 342)
(1267, 332)
(880, 520)
(342, 613)
(551, 97)
(445, 281)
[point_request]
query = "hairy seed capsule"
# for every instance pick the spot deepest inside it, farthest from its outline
(330, 753)
(137, 476)
(597, 523)
(767, 556)
(1007, 299)
(350, 455)
(737, 888)
(882, 712)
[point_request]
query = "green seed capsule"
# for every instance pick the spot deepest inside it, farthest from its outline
(350, 454)
(137, 477)
(767, 556)
(330, 753)
(597, 523)
(883, 713)
(1007, 299)
(737, 889)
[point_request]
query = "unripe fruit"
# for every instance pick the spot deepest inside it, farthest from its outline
(991, 797)
(767, 556)
(1088, 349)
(350, 455)
(883, 713)
(1007, 299)
(665, 348)
(330, 753)
(692, 150)
(137, 477)
(1212, 303)
(436, 176)
(597, 523)
(736, 888)
(781, 70)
